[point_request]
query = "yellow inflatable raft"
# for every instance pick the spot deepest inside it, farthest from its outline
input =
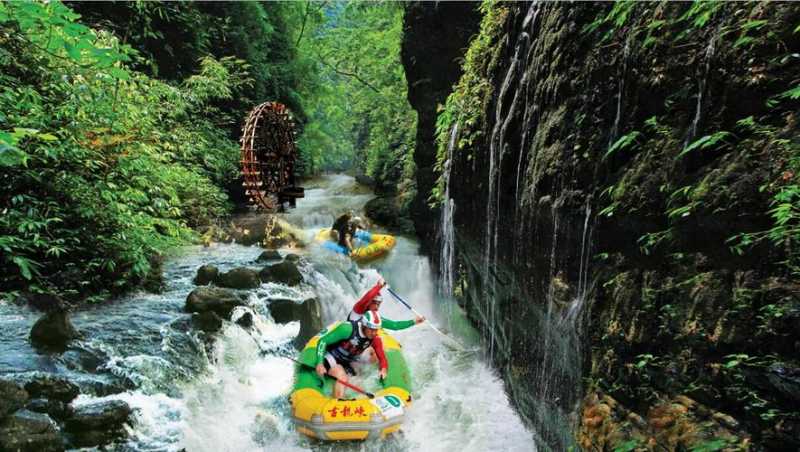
(318, 415)
(379, 245)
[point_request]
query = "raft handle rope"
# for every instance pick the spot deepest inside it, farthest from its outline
(461, 347)
(349, 385)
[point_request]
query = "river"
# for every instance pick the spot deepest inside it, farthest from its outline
(141, 349)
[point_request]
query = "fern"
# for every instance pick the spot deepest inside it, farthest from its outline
(623, 142)
(706, 142)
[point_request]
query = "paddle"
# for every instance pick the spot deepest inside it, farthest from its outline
(349, 385)
(461, 347)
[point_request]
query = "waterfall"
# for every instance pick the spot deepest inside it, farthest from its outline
(447, 230)
(701, 88)
(620, 92)
(497, 148)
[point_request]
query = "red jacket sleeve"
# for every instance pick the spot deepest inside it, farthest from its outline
(377, 345)
(361, 306)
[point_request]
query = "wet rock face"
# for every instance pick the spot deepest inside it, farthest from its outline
(382, 210)
(56, 409)
(266, 230)
(214, 299)
(239, 278)
(618, 257)
(12, 397)
(285, 272)
(206, 275)
(27, 431)
(207, 321)
(53, 330)
(52, 387)
(98, 423)
(269, 255)
(435, 36)
(308, 313)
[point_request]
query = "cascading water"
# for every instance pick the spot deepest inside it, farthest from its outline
(701, 89)
(497, 149)
(143, 350)
(620, 92)
(446, 229)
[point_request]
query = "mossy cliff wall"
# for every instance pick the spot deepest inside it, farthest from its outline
(613, 168)
(435, 37)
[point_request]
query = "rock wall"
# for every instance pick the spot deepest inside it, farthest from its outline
(435, 36)
(606, 161)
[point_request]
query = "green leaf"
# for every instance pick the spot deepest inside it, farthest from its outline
(754, 24)
(622, 143)
(705, 142)
(793, 93)
(743, 40)
(25, 265)
(11, 156)
(118, 73)
(46, 137)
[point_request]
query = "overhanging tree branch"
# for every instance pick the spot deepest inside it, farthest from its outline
(354, 75)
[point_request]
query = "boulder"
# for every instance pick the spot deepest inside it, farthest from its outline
(12, 397)
(293, 258)
(279, 233)
(98, 423)
(28, 431)
(363, 179)
(245, 321)
(308, 313)
(286, 273)
(269, 255)
(267, 230)
(384, 211)
(56, 409)
(220, 301)
(207, 321)
(52, 387)
(239, 278)
(107, 414)
(206, 275)
(53, 330)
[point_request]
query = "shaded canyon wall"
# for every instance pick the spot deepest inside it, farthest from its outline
(601, 160)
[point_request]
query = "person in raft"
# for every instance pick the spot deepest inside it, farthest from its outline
(342, 234)
(371, 302)
(340, 347)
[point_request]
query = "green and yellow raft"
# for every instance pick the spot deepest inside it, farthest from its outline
(318, 415)
(379, 245)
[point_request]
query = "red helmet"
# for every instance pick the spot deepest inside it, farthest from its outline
(371, 320)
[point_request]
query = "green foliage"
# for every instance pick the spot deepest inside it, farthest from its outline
(784, 206)
(701, 12)
(713, 445)
(104, 167)
(465, 106)
(648, 242)
(715, 140)
(359, 117)
(624, 142)
(627, 446)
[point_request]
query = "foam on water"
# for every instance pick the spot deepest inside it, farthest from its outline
(235, 397)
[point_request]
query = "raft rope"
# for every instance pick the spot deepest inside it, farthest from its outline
(461, 347)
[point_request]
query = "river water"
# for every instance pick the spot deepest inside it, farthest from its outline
(141, 349)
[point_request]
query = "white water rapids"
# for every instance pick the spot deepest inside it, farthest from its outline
(236, 399)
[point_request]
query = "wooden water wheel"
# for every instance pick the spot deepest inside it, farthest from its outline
(268, 157)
